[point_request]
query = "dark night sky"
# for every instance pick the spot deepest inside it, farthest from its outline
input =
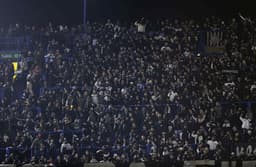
(70, 11)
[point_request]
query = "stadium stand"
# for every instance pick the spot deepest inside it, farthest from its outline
(180, 90)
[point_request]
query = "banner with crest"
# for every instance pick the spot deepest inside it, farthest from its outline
(212, 43)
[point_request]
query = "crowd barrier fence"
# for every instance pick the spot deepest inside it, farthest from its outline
(196, 163)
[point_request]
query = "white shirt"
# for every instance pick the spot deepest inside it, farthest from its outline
(245, 123)
(141, 27)
(253, 87)
(172, 95)
(94, 42)
(66, 146)
(213, 144)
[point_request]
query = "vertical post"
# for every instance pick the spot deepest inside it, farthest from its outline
(84, 12)
(249, 106)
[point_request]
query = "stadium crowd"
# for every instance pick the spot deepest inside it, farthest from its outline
(129, 92)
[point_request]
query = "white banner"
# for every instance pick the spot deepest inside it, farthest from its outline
(137, 164)
(199, 163)
(104, 164)
(7, 165)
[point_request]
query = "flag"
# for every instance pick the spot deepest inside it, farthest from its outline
(15, 68)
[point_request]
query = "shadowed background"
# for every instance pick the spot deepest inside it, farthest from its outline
(71, 11)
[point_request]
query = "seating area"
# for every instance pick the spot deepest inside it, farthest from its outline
(117, 92)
